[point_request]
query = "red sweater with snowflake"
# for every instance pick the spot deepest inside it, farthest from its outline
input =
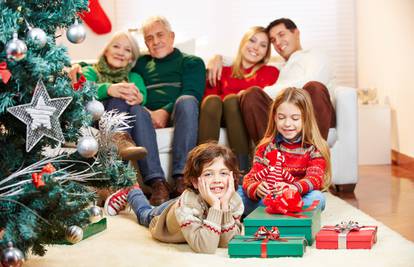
(265, 76)
(286, 162)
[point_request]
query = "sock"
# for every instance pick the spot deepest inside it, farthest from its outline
(96, 18)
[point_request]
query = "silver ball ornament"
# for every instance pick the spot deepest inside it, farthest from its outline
(95, 214)
(16, 49)
(11, 256)
(96, 108)
(76, 33)
(74, 234)
(87, 146)
(38, 36)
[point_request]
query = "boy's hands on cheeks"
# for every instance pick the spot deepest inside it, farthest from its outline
(262, 190)
(225, 199)
(207, 195)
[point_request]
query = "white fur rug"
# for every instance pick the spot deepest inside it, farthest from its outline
(125, 243)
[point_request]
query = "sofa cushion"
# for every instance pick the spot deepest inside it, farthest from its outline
(164, 139)
(332, 137)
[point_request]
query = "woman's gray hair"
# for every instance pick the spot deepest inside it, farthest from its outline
(132, 41)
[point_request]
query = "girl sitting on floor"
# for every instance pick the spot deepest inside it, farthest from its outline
(292, 154)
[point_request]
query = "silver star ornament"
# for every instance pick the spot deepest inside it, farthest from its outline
(41, 116)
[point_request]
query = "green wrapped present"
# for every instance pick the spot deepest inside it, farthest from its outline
(88, 231)
(251, 246)
(288, 225)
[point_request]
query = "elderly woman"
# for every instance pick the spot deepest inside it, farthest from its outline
(118, 87)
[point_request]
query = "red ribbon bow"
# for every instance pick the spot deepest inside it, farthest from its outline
(287, 203)
(264, 234)
(79, 83)
(37, 177)
(37, 180)
(5, 74)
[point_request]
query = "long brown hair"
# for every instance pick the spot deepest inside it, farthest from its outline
(310, 131)
(237, 66)
(203, 155)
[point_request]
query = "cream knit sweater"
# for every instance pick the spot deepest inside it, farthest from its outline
(191, 220)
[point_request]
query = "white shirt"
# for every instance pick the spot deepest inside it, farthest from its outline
(302, 66)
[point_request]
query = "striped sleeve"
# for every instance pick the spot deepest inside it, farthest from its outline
(314, 176)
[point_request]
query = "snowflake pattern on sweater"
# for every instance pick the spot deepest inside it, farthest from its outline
(205, 228)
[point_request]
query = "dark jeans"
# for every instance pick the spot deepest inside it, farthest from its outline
(185, 121)
(143, 209)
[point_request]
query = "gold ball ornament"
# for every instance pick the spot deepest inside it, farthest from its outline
(95, 214)
(74, 234)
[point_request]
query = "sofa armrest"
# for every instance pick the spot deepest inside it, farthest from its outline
(346, 147)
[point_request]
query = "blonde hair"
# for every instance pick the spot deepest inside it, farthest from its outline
(151, 20)
(237, 66)
(132, 42)
(310, 131)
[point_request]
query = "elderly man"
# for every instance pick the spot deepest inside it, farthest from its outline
(305, 69)
(175, 82)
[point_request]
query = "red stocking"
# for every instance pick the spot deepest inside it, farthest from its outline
(96, 18)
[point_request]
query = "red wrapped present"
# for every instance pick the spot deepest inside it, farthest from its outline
(346, 236)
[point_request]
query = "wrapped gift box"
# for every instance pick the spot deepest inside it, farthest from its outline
(89, 231)
(329, 238)
(249, 246)
(288, 225)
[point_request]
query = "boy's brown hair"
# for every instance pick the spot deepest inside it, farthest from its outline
(203, 155)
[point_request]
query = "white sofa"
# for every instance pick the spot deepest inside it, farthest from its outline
(343, 141)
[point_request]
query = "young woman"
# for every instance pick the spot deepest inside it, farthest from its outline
(220, 106)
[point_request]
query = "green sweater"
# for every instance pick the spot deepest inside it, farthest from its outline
(91, 75)
(168, 78)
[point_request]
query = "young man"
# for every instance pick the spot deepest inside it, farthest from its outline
(175, 84)
(305, 69)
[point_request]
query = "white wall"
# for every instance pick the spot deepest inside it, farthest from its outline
(386, 61)
(218, 25)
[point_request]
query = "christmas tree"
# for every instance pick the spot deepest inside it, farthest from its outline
(42, 197)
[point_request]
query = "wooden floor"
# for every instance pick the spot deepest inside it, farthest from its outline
(386, 193)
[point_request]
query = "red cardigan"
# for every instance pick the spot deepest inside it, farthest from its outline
(303, 167)
(265, 76)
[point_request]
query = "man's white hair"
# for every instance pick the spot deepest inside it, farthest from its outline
(151, 20)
